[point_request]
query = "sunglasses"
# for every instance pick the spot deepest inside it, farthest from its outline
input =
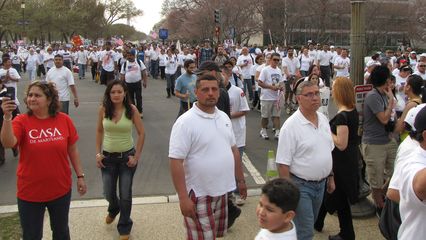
(311, 95)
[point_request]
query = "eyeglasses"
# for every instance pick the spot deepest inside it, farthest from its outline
(311, 94)
(276, 59)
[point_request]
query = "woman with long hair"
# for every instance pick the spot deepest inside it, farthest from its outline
(117, 155)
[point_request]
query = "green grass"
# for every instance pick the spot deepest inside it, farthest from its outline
(10, 228)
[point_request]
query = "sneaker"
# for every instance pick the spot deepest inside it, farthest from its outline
(239, 201)
(277, 134)
(124, 237)
(232, 216)
(288, 110)
(264, 134)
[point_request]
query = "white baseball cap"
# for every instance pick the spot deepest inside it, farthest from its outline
(412, 113)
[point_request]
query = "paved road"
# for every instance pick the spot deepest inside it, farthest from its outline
(152, 176)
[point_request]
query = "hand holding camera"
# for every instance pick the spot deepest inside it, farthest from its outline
(8, 100)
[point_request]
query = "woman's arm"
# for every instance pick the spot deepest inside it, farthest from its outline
(100, 138)
(74, 156)
(137, 121)
(399, 127)
(341, 138)
(7, 136)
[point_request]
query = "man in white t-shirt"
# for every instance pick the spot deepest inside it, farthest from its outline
(204, 163)
(291, 69)
(272, 83)
(107, 64)
(154, 54)
(64, 82)
(342, 64)
(304, 156)
(133, 72)
(81, 57)
(10, 77)
(48, 59)
(324, 59)
(412, 203)
(245, 62)
(421, 70)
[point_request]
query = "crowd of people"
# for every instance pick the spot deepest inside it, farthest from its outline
(318, 158)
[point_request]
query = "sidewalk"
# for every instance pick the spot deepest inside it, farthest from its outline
(163, 221)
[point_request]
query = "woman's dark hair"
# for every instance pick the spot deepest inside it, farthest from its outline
(109, 106)
(416, 84)
(311, 68)
(311, 75)
(49, 90)
(379, 76)
(258, 57)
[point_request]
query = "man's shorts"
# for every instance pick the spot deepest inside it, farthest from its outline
(380, 161)
(268, 108)
(212, 217)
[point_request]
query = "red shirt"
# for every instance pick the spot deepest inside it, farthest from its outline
(44, 171)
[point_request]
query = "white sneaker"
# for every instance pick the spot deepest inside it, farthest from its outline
(239, 201)
(264, 134)
(277, 134)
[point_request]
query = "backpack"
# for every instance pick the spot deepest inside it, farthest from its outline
(137, 60)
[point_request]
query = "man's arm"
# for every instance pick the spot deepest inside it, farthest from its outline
(239, 173)
(177, 170)
(284, 171)
(419, 184)
(74, 93)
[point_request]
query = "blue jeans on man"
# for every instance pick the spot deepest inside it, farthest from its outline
(154, 68)
(248, 87)
(116, 169)
(31, 215)
(81, 70)
(311, 196)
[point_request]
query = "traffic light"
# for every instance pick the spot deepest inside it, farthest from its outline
(217, 31)
(216, 16)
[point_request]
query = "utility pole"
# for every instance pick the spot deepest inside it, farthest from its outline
(358, 40)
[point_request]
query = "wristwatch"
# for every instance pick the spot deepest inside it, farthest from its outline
(81, 176)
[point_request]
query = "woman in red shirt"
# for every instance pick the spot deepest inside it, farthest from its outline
(47, 142)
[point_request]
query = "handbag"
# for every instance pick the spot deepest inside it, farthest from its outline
(390, 220)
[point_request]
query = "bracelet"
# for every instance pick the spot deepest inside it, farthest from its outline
(98, 154)
(7, 119)
(81, 176)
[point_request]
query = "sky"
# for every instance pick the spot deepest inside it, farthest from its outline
(151, 14)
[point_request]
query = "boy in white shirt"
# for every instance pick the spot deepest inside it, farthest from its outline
(276, 210)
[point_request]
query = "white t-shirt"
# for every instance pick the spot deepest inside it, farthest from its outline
(171, 64)
(423, 75)
(400, 95)
(305, 62)
(313, 53)
(324, 58)
(132, 73)
(270, 76)
(154, 54)
(412, 209)
(94, 56)
(403, 157)
(81, 57)
(13, 73)
(48, 60)
(204, 141)
(15, 59)
(63, 79)
(32, 62)
(346, 63)
(162, 62)
(291, 64)
(245, 70)
(305, 148)
(107, 59)
(265, 234)
(325, 100)
(238, 103)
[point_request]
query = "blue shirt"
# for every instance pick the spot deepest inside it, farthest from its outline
(141, 56)
(186, 83)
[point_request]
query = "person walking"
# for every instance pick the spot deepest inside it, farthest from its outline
(117, 156)
(43, 182)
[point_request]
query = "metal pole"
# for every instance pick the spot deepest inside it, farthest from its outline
(357, 41)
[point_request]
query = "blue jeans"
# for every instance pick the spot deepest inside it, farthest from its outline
(154, 68)
(31, 215)
(65, 107)
(248, 86)
(116, 169)
(311, 195)
(81, 70)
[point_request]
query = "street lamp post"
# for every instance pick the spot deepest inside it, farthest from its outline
(23, 18)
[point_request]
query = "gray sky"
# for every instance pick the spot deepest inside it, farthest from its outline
(151, 9)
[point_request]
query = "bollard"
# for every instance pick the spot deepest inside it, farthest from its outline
(271, 167)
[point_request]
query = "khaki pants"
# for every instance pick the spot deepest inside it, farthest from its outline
(380, 160)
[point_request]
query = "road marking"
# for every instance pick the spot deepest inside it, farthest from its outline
(252, 170)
